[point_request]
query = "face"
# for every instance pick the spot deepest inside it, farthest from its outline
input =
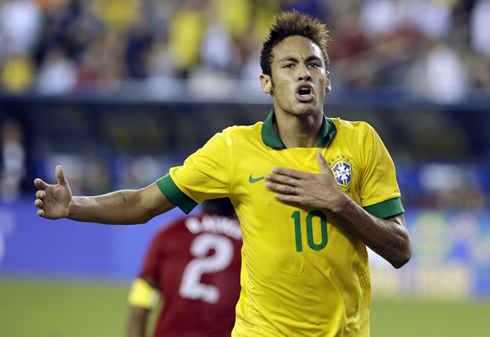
(299, 78)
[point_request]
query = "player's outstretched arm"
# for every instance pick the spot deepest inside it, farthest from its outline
(120, 207)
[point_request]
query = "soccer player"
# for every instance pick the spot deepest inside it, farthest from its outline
(310, 192)
(193, 264)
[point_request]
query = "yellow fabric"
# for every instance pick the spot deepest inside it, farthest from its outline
(17, 74)
(297, 279)
(235, 15)
(447, 3)
(143, 295)
(186, 32)
(118, 15)
(263, 14)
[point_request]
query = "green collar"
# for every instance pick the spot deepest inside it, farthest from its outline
(271, 139)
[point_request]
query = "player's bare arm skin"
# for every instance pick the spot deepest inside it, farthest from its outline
(138, 318)
(387, 237)
(120, 207)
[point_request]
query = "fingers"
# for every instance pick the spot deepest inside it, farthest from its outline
(288, 172)
(281, 188)
(321, 161)
(289, 199)
(285, 181)
(281, 180)
(40, 184)
(39, 203)
(43, 188)
(284, 193)
(60, 175)
(40, 194)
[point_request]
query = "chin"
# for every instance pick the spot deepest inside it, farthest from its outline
(307, 109)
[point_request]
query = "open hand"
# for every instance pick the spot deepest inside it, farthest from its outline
(319, 191)
(53, 201)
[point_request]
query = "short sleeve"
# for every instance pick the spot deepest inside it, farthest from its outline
(206, 174)
(380, 194)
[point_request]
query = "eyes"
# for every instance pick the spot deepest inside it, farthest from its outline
(309, 65)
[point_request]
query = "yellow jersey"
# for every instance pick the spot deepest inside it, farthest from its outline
(303, 273)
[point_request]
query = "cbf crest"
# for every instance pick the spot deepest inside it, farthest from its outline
(342, 171)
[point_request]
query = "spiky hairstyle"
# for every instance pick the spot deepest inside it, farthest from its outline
(292, 23)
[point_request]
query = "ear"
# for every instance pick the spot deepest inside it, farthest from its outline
(328, 87)
(265, 81)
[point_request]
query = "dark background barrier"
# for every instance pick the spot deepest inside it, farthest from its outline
(442, 152)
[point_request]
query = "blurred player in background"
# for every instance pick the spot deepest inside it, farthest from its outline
(311, 192)
(193, 265)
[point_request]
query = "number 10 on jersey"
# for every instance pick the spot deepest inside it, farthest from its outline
(309, 230)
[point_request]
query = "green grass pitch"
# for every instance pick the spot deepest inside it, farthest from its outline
(82, 309)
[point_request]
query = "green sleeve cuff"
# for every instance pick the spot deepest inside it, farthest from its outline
(386, 209)
(175, 195)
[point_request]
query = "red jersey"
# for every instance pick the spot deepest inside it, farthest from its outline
(195, 263)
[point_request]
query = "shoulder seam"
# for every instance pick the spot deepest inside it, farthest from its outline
(229, 144)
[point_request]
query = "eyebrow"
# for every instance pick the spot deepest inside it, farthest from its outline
(293, 59)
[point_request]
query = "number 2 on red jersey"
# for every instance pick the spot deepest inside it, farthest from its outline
(191, 286)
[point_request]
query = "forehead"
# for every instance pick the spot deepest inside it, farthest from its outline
(296, 46)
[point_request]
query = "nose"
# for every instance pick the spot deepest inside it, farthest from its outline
(303, 73)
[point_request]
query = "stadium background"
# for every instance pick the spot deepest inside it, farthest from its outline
(119, 91)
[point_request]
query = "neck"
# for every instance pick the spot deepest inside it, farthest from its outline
(299, 131)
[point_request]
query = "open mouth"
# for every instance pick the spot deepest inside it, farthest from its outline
(304, 93)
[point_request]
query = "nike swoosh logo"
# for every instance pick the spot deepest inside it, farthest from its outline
(254, 180)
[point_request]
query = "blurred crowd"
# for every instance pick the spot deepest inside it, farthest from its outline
(440, 48)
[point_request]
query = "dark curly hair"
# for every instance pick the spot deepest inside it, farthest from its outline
(292, 23)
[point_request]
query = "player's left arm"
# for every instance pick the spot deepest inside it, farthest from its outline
(137, 321)
(387, 237)
(142, 298)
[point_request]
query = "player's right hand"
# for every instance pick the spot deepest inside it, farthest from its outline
(53, 201)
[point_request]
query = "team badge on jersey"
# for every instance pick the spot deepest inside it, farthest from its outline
(342, 171)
